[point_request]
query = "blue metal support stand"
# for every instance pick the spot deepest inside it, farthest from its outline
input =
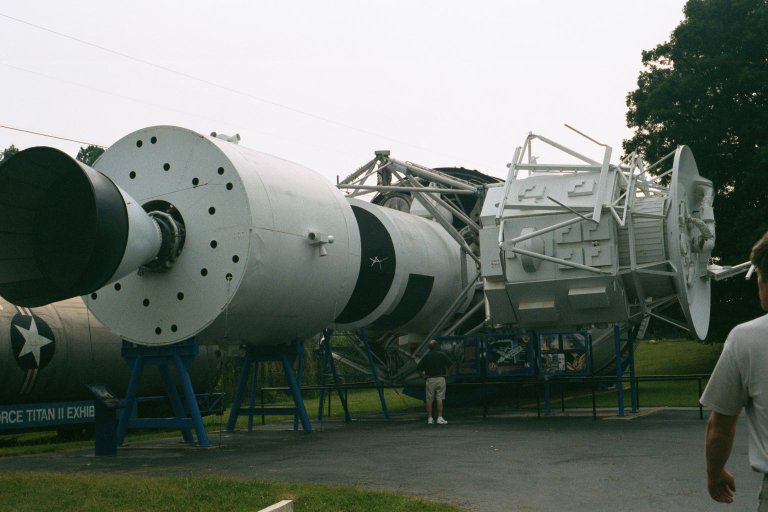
(252, 396)
(284, 355)
(619, 370)
(299, 377)
(631, 335)
(179, 355)
(328, 361)
(374, 373)
(633, 381)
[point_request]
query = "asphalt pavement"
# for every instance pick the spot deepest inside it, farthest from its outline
(510, 461)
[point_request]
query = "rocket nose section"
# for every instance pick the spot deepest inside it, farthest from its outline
(63, 227)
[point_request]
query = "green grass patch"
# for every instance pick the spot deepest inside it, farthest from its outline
(92, 492)
(684, 357)
(360, 401)
(31, 443)
(676, 357)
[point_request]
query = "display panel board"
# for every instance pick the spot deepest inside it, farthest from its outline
(508, 355)
(469, 364)
(563, 353)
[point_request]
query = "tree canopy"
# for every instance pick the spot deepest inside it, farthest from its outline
(86, 155)
(707, 87)
(8, 153)
(90, 154)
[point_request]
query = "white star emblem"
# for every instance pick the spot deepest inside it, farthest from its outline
(33, 341)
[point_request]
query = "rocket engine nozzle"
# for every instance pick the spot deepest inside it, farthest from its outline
(65, 228)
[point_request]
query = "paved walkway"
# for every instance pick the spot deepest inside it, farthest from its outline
(512, 462)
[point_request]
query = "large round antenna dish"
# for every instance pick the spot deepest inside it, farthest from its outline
(690, 238)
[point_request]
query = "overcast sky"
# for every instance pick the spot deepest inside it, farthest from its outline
(325, 83)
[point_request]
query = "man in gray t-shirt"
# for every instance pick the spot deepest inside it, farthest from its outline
(740, 380)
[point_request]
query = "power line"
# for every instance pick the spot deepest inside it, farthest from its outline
(166, 107)
(52, 136)
(214, 84)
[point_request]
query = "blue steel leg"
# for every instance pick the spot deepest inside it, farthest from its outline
(173, 396)
(300, 376)
(130, 398)
(375, 373)
(194, 409)
(254, 372)
(237, 399)
(342, 397)
(337, 383)
(619, 371)
(633, 381)
(296, 392)
(327, 333)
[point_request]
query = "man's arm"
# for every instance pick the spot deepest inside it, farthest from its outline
(721, 430)
(420, 368)
(448, 364)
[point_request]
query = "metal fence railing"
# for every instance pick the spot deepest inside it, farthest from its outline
(542, 387)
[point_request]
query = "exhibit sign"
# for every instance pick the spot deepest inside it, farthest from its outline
(509, 355)
(563, 353)
(22, 416)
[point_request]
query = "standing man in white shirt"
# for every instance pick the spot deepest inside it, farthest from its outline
(740, 380)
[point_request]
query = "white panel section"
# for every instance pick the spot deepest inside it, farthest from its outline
(582, 187)
(291, 288)
(493, 196)
(490, 256)
(498, 301)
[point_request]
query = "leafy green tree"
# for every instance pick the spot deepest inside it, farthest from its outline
(90, 154)
(707, 87)
(8, 153)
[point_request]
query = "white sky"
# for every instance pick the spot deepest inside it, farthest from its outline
(437, 82)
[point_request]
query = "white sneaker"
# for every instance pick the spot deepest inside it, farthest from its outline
(430, 421)
(441, 421)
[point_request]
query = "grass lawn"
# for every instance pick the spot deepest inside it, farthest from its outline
(684, 357)
(84, 493)
(676, 357)
(360, 401)
(89, 492)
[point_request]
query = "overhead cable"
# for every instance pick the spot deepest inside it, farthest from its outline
(212, 84)
(52, 136)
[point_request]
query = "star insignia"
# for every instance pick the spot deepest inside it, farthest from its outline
(33, 341)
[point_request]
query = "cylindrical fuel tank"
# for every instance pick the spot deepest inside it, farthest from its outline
(410, 271)
(50, 353)
(272, 248)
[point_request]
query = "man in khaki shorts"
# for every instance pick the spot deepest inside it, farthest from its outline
(434, 366)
